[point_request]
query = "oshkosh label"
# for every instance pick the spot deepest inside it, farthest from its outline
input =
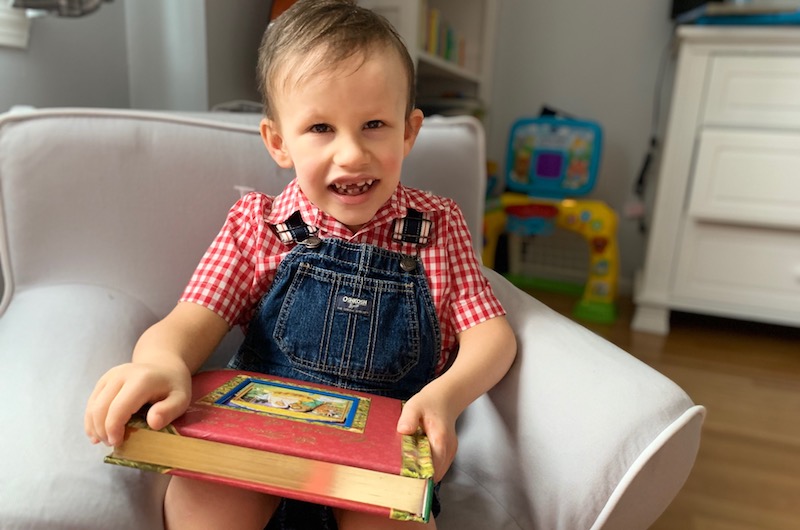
(354, 304)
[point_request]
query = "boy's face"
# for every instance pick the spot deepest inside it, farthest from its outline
(345, 132)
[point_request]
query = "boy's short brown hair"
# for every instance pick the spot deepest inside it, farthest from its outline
(323, 33)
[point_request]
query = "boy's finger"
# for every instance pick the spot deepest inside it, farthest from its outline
(163, 412)
(409, 420)
(129, 399)
(100, 406)
(88, 415)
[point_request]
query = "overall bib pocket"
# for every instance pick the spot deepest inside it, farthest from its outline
(350, 326)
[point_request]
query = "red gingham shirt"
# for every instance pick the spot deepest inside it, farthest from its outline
(240, 264)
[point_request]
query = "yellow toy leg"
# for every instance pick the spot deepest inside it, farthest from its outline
(597, 223)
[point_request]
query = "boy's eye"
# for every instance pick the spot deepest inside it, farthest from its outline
(320, 128)
(373, 124)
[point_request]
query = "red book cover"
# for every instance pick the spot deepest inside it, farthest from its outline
(323, 444)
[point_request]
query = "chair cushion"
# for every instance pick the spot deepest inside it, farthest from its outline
(53, 477)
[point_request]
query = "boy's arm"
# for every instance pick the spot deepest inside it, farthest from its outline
(486, 352)
(165, 357)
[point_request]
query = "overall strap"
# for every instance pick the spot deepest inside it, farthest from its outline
(294, 230)
(414, 228)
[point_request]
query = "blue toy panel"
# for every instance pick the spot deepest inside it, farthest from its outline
(553, 157)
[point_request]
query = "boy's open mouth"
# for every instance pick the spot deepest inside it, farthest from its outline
(355, 188)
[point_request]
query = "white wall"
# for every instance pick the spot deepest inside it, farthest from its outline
(150, 54)
(190, 55)
(166, 43)
(69, 62)
(234, 36)
(596, 60)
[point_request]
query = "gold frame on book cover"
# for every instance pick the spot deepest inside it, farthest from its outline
(269, 397)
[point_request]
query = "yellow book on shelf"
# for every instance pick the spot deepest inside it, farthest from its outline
(434, 21)
(422, 37)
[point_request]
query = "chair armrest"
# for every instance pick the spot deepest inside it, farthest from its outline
(583, 435)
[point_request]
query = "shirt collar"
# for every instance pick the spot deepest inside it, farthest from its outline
(291, 200)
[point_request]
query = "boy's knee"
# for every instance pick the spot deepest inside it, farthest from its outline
(196, 505)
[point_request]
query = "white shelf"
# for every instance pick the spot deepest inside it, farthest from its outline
(434, 66)
(472, 20)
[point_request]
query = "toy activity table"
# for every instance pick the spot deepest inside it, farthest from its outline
(551, 163)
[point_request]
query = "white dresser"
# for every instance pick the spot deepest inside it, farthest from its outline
(724, 236)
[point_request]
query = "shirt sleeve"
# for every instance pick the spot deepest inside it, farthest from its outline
(226, 279)
(472, 300)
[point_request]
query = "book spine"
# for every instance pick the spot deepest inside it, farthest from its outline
(417, 457)
(422, 40)
(434, 20)
(449, 46)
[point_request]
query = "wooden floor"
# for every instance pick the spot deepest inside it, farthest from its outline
(747, 474)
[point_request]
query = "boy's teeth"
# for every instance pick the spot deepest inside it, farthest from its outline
(355, 188)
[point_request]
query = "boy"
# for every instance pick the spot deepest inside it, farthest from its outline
(345, 278)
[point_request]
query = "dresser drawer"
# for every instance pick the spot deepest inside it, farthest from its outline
(740, 266)
(749, 177)
(753, 91)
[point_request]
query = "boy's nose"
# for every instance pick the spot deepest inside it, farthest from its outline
(350, 152)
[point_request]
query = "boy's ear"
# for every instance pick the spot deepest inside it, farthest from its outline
(413, 125)
(275, 144)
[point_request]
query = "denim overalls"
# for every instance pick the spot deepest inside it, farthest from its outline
(346, 314)
(350, 315)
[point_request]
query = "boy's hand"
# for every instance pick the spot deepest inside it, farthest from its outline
(428, 411)
(124, 389)
(485, 354)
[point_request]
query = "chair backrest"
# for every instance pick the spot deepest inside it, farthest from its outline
(131, 199)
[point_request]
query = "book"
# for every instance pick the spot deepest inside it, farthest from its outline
(434, 22)
(291, 439)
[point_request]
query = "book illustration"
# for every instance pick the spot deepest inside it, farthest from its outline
(291, 401)
(263, 397)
